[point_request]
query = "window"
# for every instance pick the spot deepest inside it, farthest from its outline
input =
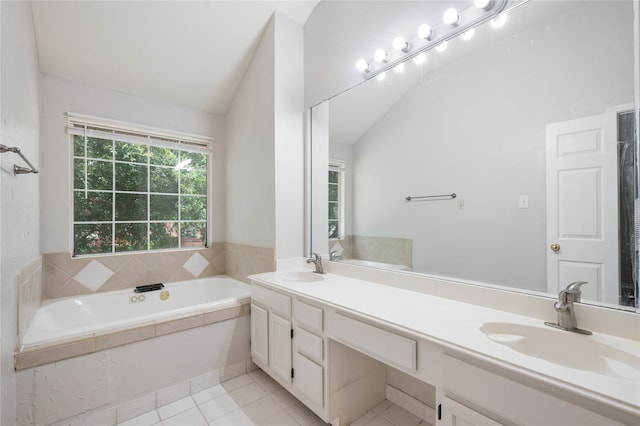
(336, 200)
(136, 195)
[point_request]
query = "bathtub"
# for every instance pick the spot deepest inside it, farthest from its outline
(74, 317)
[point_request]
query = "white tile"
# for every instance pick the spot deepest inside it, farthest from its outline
(146, 419)
(249, 393)
(381, 421)
(365, 419)
(93, 275)
(218, 407)
(229, 372)
(400, 416)
(264, 380)
(136, 407)
(176, 407)
(191, 417)
(262, 410)
(284, 398)
(281, 419)
(172, 393)
(238, 382)
(103, 417)
(303, 414)
(382, 406)
(235, 418)
(196, 264)
(205, 381)
(209, 394)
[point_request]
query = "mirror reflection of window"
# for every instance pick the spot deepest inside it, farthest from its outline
(336, 200)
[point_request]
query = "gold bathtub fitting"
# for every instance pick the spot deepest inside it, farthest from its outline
(164, 295)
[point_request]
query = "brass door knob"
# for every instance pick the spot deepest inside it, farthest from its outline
(555, 247)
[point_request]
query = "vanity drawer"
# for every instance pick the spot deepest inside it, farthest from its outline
(271, 299)
(309, 316)
(309, 344)
(386, 346)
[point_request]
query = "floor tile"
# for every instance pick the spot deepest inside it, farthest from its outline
(237, 382)
(365, 419)
(382, 406)
(284, 398)
(218, 407)
(381, 421)
(303, 414)
(264, 380)
(176, 407)
(399, 416)
(192, 417)
(235, 418)
(262, 410)
(249, 393)
(282, 419)
(209, 394)
(146, 419)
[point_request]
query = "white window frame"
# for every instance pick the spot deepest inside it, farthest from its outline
(102, 128)
(341, 168)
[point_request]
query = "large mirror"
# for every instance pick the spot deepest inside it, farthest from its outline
(507, 159)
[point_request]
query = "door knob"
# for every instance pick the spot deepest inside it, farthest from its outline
(555, 247)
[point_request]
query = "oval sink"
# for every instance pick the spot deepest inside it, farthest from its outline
(564, 348)
(302, 277)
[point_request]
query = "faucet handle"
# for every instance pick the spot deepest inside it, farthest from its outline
(574, 289)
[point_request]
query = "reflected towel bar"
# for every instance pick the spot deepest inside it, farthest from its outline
(409, 197)
(19, 170)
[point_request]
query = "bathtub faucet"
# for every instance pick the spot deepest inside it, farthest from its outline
(317, 260)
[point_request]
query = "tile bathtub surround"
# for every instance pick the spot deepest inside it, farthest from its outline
(249, 399)
(96, 342)
(29, 294)
(382, 249)
(65, 275)
(243, 260)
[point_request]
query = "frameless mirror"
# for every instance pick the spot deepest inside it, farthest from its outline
(507, 159)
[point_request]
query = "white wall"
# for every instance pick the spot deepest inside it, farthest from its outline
(265, 145)
(61, 96)
(19, 195)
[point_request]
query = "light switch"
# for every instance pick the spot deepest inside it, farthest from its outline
(524, 202)
(460, 203)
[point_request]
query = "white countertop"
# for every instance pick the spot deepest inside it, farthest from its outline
(458, 325)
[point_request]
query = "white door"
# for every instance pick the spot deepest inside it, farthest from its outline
(280, 346)
(259, 335)
(582, 206)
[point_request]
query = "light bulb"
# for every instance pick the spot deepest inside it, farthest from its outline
(451, 17)
(399, 68)
(381, 76)
(424, 31)
(362, 65)
(442, 47)
(482, 4)
(420, 58)
(499, 21)
(399, 43)
(467, 34)
(380, 56)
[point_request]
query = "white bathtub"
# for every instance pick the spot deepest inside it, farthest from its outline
(77, 316)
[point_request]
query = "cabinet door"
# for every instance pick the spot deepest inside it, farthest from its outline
(280, 346)
(308, 379)
(456, 414)
(259, 335)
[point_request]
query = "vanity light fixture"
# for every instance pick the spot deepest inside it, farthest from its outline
(399, 67)
(399, 43)
(425, 32)
(362, 65)
(420, 58)
(499, 21)
(442, 46)
(467, 34)
(454, 23)
(483, 4)
(381, 56)
(381, 76)
(451, 17)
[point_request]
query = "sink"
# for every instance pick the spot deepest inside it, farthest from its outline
(302, 277)
(564, 348)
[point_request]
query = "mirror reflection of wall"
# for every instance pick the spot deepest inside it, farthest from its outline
(473, 120)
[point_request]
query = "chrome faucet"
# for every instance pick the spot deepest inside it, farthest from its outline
(334, 256)
(565, 309)
(317, 260)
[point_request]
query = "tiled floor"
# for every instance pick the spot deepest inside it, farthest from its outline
(256, 399)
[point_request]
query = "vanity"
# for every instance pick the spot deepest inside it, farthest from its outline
(329, 346)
